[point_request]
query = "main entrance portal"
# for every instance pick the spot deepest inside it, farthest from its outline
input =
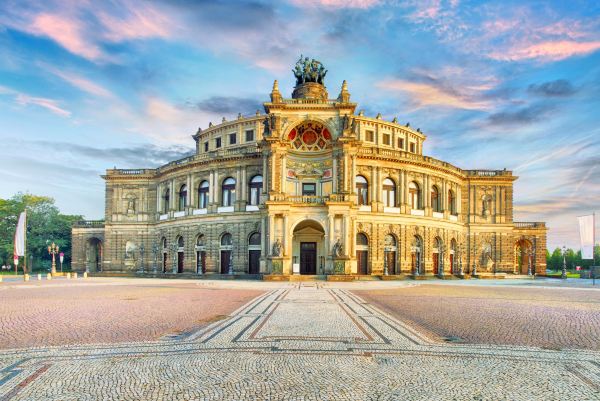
(308, 258)
(308, 248)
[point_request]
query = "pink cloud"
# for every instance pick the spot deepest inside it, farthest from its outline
(140, 23)
(79, 82)
(547, 50)
(66, 31)
(425, 94)
(46, 103)
(336, 3)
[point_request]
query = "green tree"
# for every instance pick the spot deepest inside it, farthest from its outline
(45, 224)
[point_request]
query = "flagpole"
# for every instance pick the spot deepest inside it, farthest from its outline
(25, 244)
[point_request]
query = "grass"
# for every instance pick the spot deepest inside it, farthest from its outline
(569, 275)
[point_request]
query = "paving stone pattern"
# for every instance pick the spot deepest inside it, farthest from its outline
(554, 318)
(300, 342)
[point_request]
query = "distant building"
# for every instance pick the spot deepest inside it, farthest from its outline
(314, 185)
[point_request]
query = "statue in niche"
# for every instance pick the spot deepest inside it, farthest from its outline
(486, 205)
(486, 257)
(277, 248)
(131, 205)
(338, 248)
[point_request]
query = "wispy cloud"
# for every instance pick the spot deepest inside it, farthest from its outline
(546, 50)
(227, 105)
(363, 4)
(25, 99)
(556, 88)
(79, 82)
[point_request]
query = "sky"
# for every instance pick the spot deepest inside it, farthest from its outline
(89, 85)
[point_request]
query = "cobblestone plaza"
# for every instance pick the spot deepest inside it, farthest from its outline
(301, 341)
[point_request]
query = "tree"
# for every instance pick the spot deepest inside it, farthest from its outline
(45, 224)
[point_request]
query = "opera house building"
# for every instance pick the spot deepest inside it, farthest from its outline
(312, 186)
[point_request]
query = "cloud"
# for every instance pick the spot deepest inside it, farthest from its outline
(227, 105)
(546, 50)
(436, 93)
(48, 104)
(520, 116)
(337, 4)
(557, 88)
(134, 156)
(79, 82)
(68, 32)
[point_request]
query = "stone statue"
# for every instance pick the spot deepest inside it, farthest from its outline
(131, 205)
(338, 248)
(277, 247)
(307, 70)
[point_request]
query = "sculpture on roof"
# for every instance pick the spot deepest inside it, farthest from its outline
(307, 70)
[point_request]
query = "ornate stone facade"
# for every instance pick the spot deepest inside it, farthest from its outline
(309, 187)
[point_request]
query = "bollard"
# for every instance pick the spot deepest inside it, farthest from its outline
(84, 274)
(25, 277)
(39, 276)
(0, 278)
(75, 275)
(49, 276)
(68, 276)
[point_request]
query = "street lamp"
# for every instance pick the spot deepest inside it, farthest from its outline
(155, 254)
(564, 268)
(53, 250)
(385, 261)
(460, 265)
(62, 258)
(529, 261)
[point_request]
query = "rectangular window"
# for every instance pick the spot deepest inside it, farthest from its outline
(412, 147)
(386, 139)
(249, 135)
(206, 146)
(400, 143)
(309, 189)
(232, 139)
(217, 143)
(369, 136)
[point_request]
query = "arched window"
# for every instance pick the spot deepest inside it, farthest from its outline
(254, 239)
(200, 241)
(255, 189)
(166, 200)
(451, 202)
(182, 197)
(203, 195)
(180, 242)
(389, 193)
(164, 243)
(435, 199)
(362, 190)
(362, 239)
(414, 194)
(226, 240)
(228, 192)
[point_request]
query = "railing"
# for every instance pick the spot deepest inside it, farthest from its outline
(88, 224)
(530, 224)
(487, 173)
(400, 154)
(131, 171)
(307, 199)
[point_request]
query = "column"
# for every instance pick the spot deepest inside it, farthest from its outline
(244, 195)
(283, 172)
(373, 186)
(189, 190)
(159, 200)
(284, 236)
(172, 195)
(378, 184)
(331, 230)
(334, 184)
(345, 232)
(271, 233)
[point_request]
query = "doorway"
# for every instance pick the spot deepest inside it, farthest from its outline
(308, 258)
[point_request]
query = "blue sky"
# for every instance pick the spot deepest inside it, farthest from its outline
(88, 85)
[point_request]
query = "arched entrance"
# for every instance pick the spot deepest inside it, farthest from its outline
(390, 251)
(416, 254)
(200, 255)
(362, 254)
(437, 247)
(307, 247)
(94, 255)
(523, 256)
(180, 254)
(226, 254)
(254, 253)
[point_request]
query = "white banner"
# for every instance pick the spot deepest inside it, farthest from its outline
(586, 236)
(20, 236)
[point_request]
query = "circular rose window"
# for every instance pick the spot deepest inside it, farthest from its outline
(310, 136)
